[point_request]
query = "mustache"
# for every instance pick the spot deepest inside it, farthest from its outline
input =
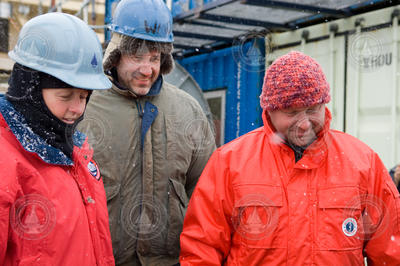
(138, 75)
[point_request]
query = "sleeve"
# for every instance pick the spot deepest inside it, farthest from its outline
(9, 190)
(8, 194)
(382, 245)
(204, 145)
(4, 224)
(206, 236)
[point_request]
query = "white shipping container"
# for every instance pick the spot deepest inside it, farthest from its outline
(359, 56)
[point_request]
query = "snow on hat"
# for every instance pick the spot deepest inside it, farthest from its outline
(294, 80)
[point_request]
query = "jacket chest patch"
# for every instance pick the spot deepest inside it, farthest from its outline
(94, 170)
(349, 227)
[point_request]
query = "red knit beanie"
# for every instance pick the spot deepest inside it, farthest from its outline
(294, 80)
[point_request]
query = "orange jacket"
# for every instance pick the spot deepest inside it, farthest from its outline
(53, 210)
(253, 205)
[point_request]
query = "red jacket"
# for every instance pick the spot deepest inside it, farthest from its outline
(52, 209)
(253, 205)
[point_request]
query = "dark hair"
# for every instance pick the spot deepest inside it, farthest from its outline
(130, 46)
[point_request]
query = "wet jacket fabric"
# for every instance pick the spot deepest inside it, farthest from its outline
(253, 205)
(53, 208)
(151, 151)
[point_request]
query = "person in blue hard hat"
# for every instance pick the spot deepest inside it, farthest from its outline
(52, 200)
(151, 140)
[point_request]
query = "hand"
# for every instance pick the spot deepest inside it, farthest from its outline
(397, 175)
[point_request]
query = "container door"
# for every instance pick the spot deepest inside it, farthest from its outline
(373, 92)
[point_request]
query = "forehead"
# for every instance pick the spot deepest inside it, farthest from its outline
(300, 109)
(136, 46)
(147, 52)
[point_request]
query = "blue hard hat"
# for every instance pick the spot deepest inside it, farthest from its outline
(143, 19)
(62, 46)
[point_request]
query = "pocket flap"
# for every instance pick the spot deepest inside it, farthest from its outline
(112, 191)
(258, 195)
(339, 197)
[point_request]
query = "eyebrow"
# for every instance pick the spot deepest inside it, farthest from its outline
(64, 92)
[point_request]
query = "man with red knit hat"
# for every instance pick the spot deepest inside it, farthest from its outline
(293, 192)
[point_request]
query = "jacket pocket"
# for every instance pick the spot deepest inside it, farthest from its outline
(339, 219)
(256, 216)
(177, 205)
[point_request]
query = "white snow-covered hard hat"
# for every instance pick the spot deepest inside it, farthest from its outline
(62, 46)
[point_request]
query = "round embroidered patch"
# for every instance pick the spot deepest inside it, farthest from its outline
(94, 170)
(349, 227)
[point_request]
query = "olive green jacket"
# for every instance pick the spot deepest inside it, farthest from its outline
(148, 185)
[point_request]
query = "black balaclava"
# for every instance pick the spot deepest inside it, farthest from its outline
(25, 94)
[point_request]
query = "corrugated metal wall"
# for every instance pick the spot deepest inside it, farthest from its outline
(240, 71)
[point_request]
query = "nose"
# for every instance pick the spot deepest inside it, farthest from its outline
(146, 69)
(304, 124)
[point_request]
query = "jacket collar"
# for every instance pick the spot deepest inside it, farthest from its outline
(32, 142)
(314, 154)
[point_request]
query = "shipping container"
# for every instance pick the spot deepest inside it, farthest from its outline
(231, 80)
(359, 56)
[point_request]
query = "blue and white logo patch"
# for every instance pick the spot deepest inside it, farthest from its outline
(349, 227)
(94, 170)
